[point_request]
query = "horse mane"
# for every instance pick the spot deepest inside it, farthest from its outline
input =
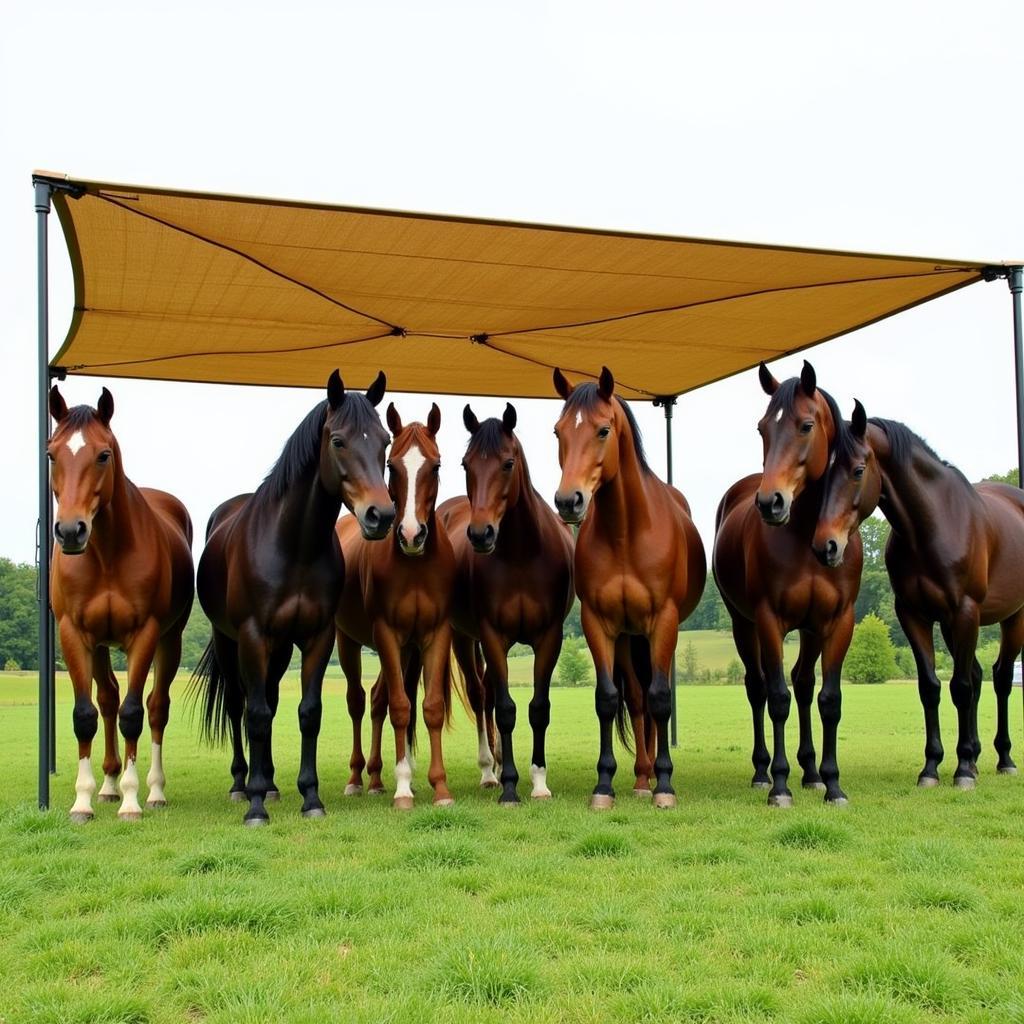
(584, 398)
(488, 440)
(903, 441)
(78, 418)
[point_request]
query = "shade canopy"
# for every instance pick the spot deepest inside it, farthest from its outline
(174, 285)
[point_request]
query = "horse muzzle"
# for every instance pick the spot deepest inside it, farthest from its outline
(830, 554)
(483, 539)
(72, 535)
(774, 508)
(375, 521)
(415, 547)
(572, 506)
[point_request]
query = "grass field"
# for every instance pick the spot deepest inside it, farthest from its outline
(906, 906)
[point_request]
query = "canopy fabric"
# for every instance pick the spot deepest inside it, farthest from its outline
(187, 286)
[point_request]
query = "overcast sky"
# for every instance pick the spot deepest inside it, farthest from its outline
(873, 126)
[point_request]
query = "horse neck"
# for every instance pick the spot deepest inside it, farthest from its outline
(806, 506)
(621, 502)
(520, 534)
(306, 516)
(115, 525)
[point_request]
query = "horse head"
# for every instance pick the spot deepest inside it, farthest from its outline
(84, 466)
(493, 465)
(414, 467)
(352, 454)
(796, 430)
(852, 489)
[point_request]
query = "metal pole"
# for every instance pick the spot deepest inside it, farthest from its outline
(42, 200)
(668, 403)
(1014, 279)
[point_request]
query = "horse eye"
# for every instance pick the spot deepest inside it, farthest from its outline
(437, 470)
(807, 426)
(604, 432)
(337, 442)
(858, 473)
(103, 458)
(508, 466)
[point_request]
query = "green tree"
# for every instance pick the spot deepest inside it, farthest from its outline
(1011, 476)
(871, 657)
(710, 611)
(572, 626)
(734, 672)
(19, 614)
(574, 665)
(874, 535)
(690, 666)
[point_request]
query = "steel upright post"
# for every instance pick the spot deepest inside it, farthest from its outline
(1014, 279)
(668, 402)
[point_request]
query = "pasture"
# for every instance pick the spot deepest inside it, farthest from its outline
(903, 907)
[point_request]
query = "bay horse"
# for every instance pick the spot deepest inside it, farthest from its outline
(955, 556)
(397, 599)
(639, 569)
(121, 576)
(270, 578)
(771, 583)
(513, 585)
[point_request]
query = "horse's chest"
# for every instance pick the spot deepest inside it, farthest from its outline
(811, 601)
(108, 617)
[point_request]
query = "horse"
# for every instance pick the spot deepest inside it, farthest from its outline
(397, 599)
(513, 585)
(639, 571)
(121, 576)
(771, 583)
(955, 556)
(270, 578)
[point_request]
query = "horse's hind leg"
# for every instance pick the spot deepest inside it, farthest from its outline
(962, 639)
(634, 697)
(108, 697)
(399, 710)
(436, 706)
(350, 654)
(830, 703)
(919, 634)
(280, 659)
(747, 647)
(465, 656)
(1010, 643)
(254, 666)
(496, 653)
(314, 663)
(545, 657)
(769, 635)
(140, 658)
(977, 678)
(803, 690)
(158, 704)
(226, 651)
(378, 712)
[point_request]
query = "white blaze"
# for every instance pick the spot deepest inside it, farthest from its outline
(76, 442)
(403, 778)
(85, 786)
(129, 790)
(155, 779)
(413, 459)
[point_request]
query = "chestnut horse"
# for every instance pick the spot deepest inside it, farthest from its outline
(772, 584)
(270, 578)
(122, 576)
(397, 599)
(513, 585)
(639, 569)
(955, 556)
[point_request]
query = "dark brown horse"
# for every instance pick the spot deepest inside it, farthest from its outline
(397, 599)
(772, 584)
(121, 577)
(639, 569)
(270, 578)
(955, 556)
(513, 585)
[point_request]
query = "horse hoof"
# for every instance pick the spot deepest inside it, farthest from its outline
(376, 791)
(445, 801)
(108, 798)
(664, 801)
(643, 794)
(314, 812)
(155, 805)
(352, 789)
(80, 817)
(1007, 769)
(255, 822)
(760, 784)
(839, 801)
(780, 800)
(490, 784)
(927, 782)
(602, 802)
(129, 815)
(541, 794)
(402, 803)
(273, 795)
(813, 785)
(964, 782)
(973, 766)
(236, 796)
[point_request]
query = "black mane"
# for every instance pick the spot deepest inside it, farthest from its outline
(903, 441)
(585, 397)
(488, 438)
(78, 418)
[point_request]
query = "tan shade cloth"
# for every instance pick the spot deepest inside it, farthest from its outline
(176, 285)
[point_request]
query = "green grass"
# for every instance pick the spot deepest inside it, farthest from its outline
(904, 907)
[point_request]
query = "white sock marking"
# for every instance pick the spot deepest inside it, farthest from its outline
(155, 779)
(109, 787)
(403, 778)
(76, 442)
(129, 790)
(85, 786)
(539, 778)
(413, 459)
(485, 760)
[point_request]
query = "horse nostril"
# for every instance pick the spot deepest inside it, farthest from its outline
(778, 503)
(372, 517)
(421, 535)
(831, 549)
(488, 534)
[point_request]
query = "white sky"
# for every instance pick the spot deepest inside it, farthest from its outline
(873, 126)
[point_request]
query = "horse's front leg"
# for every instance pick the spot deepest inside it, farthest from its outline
(918, 632)
(803, 690)
(495, 649)
(390, 652)
(830, 702)
(663, 651)
(437, 653)
(140, 654)
(1010, 642)
(350, 654)
(770, 635)
(109, 698)
(634, 695)
(962, 638)
(315, 657)
(254, 666)
(606, 704)
(79, 660)
(545, 657)
(158, 705)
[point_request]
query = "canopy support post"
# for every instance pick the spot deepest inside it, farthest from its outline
(1015, 279)
(667, 402)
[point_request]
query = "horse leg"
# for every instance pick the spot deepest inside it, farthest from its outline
(378, 712)
(663, 652)
(350, 654)
(744, 636)
(977, 678)
(398, 709)
(158, 705)
(226, 651)
(437, 667)
(1010, 643)
(918, 632)
(140, 657)
(493, 739)
(770, 637)
(108, 697)
(634, 696)
(280, 659)
(254, 658)
(496, 653)
(962, 637)
(803, 690)
(545, 657)
(463, 649)
(830, 702)
(85, 718)
(315, 657)
(606, 704)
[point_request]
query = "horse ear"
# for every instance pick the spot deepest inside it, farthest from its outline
(58, 407)
(335, 390)
(858, 421)
(768, 383)
(394, 420)
(105, 407)
(469, 418)
(509, 418)
(434, 420)
(562, 385)
(808, 379)
(605, 383)
(375, 392)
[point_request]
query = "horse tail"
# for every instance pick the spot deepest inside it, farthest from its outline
(462, 685)
(208, 687)
(411, 680)
(619, 679)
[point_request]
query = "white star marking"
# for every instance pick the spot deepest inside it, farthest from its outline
(76, 442)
